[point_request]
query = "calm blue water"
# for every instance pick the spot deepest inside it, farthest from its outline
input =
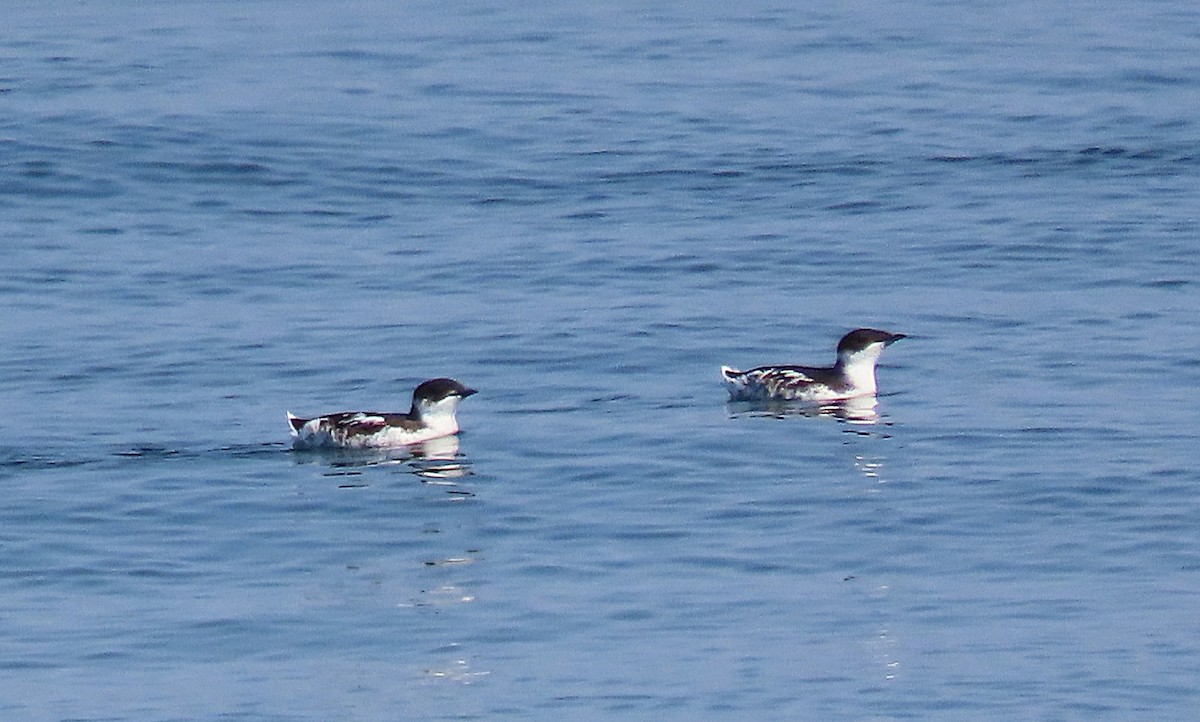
(212, 213)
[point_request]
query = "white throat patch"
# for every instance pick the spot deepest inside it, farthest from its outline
(859, 367)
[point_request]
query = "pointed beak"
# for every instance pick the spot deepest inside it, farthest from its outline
(896, 337)
(466, 392)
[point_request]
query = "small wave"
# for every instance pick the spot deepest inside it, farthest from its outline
(18, 461)
(1049, 161)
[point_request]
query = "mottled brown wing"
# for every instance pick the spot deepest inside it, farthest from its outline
(357, 423)
(777, 378)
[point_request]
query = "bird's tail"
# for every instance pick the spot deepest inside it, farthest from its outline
(738, 383)
(735, 381)
(294, 424)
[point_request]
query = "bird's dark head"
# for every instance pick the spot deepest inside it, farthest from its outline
(861, 339)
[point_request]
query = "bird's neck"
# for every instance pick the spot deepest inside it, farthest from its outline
(438, 416)
(859, 370)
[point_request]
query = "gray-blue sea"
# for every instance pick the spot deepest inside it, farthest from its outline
(213, 213)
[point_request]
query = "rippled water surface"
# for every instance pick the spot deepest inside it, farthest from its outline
(214, 213)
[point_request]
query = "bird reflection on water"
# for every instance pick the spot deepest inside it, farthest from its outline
(862, 411)
(437, 462)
